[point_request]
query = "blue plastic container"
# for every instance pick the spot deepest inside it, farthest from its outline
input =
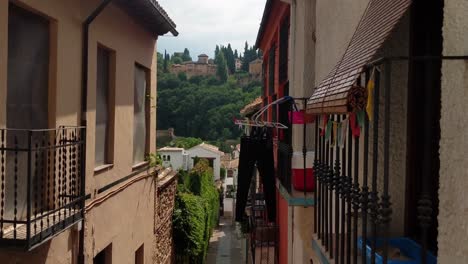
(407, 247)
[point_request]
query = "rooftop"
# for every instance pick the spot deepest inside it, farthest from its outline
(209, 147)
(150, 14)
(170, 149)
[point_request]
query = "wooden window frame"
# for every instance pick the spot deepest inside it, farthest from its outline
(110, 137)
(147, 71)
(284, 49)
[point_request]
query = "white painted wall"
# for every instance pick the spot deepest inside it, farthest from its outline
(177, 161)
(201, 152)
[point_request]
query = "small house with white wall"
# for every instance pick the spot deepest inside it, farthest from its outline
(231, 167)
(209, 152)
(177, 158)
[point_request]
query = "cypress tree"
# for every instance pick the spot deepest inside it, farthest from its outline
(221, 70)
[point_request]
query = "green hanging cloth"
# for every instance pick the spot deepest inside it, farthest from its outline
(361, 117)
(328, 130)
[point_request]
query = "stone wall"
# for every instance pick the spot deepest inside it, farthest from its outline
(164, 207)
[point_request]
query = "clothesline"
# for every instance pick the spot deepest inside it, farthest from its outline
(241, 123)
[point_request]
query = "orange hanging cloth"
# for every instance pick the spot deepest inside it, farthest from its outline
(324, 125)
(370, 96)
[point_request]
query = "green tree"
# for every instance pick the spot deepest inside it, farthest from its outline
(250, 54)
(160, 59)
(176, 60)
(246, 58)
(186, 142)
(196, 212)
(186, 55)
(230, 59)
(216, 52)
(166, 62)
(203, 106)
(182, 76)
(221, 69)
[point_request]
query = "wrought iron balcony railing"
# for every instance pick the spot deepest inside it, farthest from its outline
(353, 214)
(41, 184)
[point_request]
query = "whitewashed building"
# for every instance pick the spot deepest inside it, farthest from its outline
(209, 152)
(177, 158)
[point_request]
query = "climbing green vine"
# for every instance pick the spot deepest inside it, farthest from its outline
(195, 214)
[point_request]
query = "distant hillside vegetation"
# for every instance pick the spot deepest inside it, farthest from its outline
(202, 107)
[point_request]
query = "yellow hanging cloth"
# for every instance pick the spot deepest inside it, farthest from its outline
(370, 96)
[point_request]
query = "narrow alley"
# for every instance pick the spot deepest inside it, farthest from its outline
(225, 243)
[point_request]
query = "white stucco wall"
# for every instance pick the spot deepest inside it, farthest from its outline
(453, 197)
(176, 161)
(201, 152)
(302, 60)
(336, 21)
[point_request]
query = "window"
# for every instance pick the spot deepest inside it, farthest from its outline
(140, 115)
(271, 70)
(274, 109)
(27, 99)
(104, 257)
(283, 54)
(104, 108)
(28, 70)
(140, 255)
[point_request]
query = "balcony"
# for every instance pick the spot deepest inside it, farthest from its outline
(41, 184)
(284, 172)
(360, 181)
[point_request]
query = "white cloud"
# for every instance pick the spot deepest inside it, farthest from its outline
(204, 23)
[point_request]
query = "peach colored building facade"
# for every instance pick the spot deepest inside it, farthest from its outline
(116, 216)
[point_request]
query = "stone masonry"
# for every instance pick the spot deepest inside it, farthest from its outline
(165, 201)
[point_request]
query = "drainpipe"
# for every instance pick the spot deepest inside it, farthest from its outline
(84, 110)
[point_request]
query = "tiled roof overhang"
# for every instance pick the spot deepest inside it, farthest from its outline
(252, 107)
(378, 21)
(150, 15)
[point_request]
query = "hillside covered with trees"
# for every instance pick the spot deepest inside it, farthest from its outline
(204, 107)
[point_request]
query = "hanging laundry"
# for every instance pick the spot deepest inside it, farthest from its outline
(334, 136)
(354, 126)
(361, 117)
(256, 149)
(343, 132)
(370, 96)
(328, 130)
(323, 125)
(338, 134)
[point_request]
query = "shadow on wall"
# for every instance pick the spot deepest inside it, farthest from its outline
(41, 254)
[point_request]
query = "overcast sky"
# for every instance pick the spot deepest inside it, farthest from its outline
(204, 23)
